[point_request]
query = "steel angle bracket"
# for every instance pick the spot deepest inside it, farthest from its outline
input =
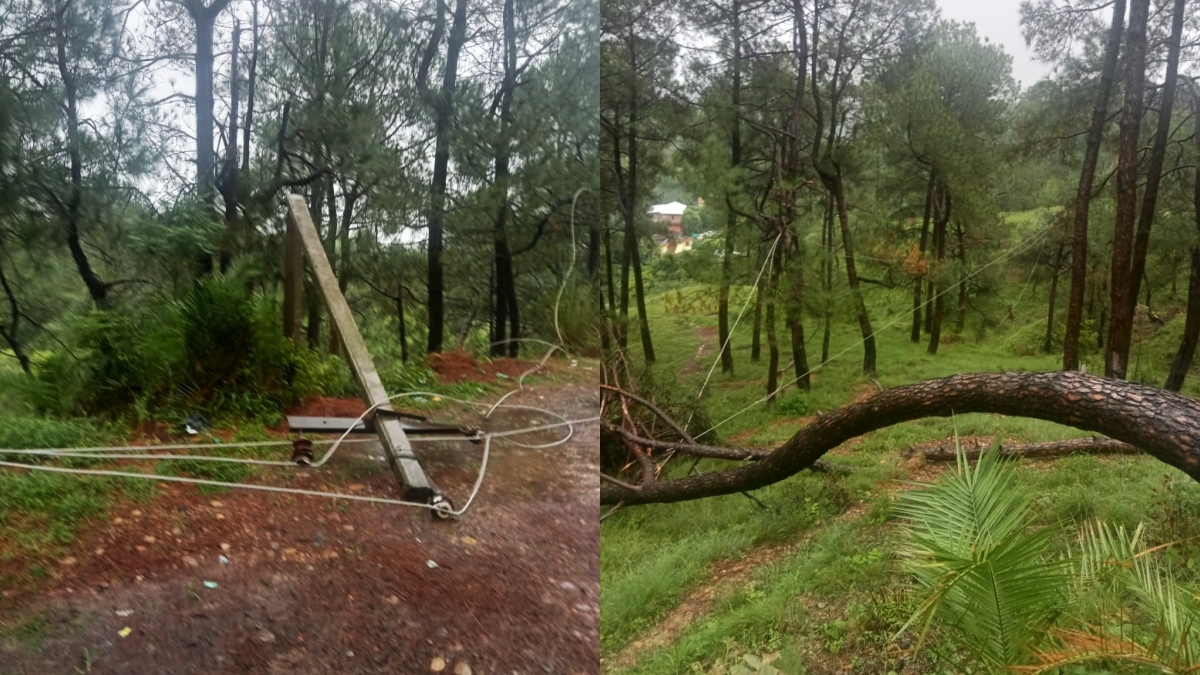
(415, 485)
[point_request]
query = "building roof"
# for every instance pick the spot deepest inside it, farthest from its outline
(672, 209)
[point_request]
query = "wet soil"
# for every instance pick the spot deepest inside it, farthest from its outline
(313, 585)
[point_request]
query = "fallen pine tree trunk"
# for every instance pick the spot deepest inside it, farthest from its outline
(947, 452)
(1164, 424)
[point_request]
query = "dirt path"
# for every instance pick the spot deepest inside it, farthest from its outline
(317, 586)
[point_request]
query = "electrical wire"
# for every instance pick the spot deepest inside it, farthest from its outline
(487, 437)
(1012, 252)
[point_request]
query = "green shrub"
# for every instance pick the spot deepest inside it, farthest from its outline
(219, 350)
(794, 403)
(108, 360)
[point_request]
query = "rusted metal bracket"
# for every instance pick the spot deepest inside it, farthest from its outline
(302, 237)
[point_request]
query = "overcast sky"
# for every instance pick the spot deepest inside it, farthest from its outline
(999, 21)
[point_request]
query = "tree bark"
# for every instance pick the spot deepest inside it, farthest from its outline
(735, 160)
(915, 334)
(204, 17)
(1160, 423)
(631, 214)
(940, 220)
(72, 210)
(1191, 327)
(506, 292)
(1116, 354)
(251, 83)
(1158, 153)
(1083, 196)
(772, 342)
(756, 336)
(827, 236)
(948, 452)
(961, 320)
(403, 332)
(1049, 342)
(9, 331)
(444, 122)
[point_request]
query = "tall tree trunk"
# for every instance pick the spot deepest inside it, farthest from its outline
(9, 331)
(915, 334)
(97, 289)
(827, 276)
(735, 160)
(204, 17)
(791, 176)
(961, 320)
(228, 184)
(403, 332)
(312, 294)
(251, 83)
(1116, 354)
(772, 342)
(795, 324)
(1191, 327)
(756, 336)
(443, 126)
(1049, 342)
(1083, 196)
(634, 210)
(505, 290)
(610, 314)
(723, 341)
(860, 305)
(343, 276)
(1158, 153)
(941, 218)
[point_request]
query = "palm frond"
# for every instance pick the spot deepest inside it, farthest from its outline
(982, 574)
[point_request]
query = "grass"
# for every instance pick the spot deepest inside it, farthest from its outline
(836, 603)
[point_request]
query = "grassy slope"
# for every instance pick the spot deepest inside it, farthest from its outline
(651, 557)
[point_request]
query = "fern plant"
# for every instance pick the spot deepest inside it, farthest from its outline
(1115, 560)
(991, 581)
(988, 580)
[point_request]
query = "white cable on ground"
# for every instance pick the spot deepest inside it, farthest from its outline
(316, 493)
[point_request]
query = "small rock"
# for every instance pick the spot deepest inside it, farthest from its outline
(350, 654)
(348, 528)
(190, 561)
(568, 586)
(583, 607)
(393, 600)
(220, 516)
(469, 541)
(225, 547)
(462, 668)
(118, 520)
(69, 561)
(265, 636)
(99, 551)
(149, 539)
(289, 551)
(135, 514)
(216, 504)
(140, 549)
(438, 664)
(177, 531)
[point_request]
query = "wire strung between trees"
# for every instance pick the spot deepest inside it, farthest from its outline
(1011, 253)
